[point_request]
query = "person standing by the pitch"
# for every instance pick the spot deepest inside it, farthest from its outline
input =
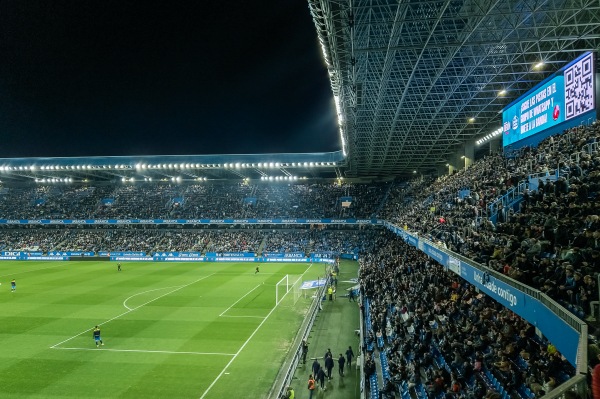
(97, 337)
(341, 362)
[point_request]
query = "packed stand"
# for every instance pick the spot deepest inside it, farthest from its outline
(551, 242)
(31, 239)
(439, 338)
(194, 201)
(287, 241)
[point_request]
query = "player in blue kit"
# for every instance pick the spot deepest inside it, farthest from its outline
(97, 337)
(13, 285)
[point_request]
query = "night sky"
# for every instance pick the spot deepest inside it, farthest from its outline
(81, 78)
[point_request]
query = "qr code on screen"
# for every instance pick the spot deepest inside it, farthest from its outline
(579, 87)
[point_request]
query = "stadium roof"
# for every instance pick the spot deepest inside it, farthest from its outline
(414, 80)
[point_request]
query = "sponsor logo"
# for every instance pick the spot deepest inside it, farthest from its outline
(500, 292)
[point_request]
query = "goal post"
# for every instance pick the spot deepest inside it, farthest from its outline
(281, 288)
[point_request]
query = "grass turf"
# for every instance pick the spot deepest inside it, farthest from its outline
(179, 330)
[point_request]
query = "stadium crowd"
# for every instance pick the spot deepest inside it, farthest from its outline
(195, 201)
(303, 241)
(438, 336)
(551, 241)
(549, 238)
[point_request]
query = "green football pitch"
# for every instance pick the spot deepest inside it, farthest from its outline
(170, 330)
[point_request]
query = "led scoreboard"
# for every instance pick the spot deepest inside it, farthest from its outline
(567, 94)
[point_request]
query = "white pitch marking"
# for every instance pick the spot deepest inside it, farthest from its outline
(157, 289)
(245, 295)
(146, 351)
(248, 340)
(253, 317)
(124, 313)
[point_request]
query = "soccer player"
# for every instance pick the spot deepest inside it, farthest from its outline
(118, 267)
(97, 337)
(13, 285)
(256, 271)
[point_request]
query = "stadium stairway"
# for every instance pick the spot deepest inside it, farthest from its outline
(262, 245)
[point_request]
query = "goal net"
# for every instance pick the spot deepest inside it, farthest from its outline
(289, 284)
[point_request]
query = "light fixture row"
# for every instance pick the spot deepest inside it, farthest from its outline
(489, 136)
(138, 166)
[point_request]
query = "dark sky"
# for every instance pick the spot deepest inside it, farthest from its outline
(123, 77)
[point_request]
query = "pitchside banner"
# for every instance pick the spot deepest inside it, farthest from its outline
(71, 253)
(557, 330)
(186, 221)
(160, 258)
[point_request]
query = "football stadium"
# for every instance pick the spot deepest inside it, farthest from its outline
(448, 249)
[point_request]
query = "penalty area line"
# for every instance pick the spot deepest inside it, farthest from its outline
(245, 295)
(145, 351)
(224, 371)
